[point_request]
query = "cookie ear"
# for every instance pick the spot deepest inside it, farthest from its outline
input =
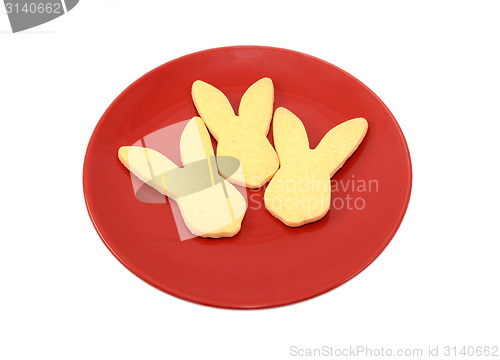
(195, 143)
(257, 105)
(340, 143)
(149, 166)
(213, 107)
(289, 134)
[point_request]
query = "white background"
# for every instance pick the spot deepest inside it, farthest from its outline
(436, 66)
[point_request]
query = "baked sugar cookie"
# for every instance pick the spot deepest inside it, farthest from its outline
(242, 136)
(210, 206)
(300, 191)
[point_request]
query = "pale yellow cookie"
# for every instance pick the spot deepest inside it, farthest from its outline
(244, 136)
(210, 206)
(300, 191)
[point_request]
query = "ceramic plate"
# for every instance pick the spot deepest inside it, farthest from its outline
(267, 263)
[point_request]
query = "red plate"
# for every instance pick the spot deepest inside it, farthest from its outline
(267, 264)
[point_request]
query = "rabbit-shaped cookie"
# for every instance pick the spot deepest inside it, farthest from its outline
(300, 191)
(210, 206)
(244, 136)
